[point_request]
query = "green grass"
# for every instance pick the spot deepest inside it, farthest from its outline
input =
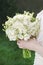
(10, 54)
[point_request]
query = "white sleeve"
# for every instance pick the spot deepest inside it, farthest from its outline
(40, 16)
(38, 58)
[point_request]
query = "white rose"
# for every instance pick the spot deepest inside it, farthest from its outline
(27, 36)
(11, 35)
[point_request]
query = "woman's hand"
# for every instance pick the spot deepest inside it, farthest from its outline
(29, 44)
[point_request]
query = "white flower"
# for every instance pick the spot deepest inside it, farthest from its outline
(11, 35)
(27, 36)
(21, 27)
(20, 36)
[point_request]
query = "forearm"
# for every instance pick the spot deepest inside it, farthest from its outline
(32, 44)
(39, 49)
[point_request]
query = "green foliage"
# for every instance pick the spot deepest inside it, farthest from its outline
(10, 54)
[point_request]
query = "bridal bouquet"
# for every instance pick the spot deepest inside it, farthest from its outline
(22, 26)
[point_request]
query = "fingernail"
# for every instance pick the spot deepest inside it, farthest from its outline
(18, 42)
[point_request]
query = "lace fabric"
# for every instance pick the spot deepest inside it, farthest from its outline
(38, 58)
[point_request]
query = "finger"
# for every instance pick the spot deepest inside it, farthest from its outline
(18, 41)
(21, 47)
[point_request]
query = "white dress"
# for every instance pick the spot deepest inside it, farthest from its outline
(38, 58)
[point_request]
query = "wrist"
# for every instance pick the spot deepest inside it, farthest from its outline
(39, 47)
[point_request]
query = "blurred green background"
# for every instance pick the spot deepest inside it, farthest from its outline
(10, 54)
